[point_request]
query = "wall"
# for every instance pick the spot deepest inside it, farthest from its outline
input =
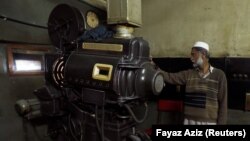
(172, 26)
(13, 88)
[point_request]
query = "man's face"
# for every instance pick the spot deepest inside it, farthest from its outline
(196, 58)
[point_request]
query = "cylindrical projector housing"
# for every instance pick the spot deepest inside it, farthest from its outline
(124, 75)
(149, 80)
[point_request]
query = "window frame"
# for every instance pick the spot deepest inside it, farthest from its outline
(25, 48)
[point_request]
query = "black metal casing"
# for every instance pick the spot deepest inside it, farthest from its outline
(93, 82)
(132, 74)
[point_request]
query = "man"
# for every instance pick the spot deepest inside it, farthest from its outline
(205, 101)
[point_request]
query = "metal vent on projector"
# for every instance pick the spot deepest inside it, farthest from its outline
(58, 71)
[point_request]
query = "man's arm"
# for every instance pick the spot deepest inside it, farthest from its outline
(179, 78)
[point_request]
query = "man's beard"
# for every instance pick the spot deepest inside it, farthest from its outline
(198, 63)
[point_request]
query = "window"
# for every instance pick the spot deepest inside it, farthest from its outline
(26, 59)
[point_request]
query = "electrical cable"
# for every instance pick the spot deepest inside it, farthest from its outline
(83, 128)
(98, 125)
(102, 121)
(73, 135)
(133, 115)
(100, 129)
(5, 18)
(134, 138)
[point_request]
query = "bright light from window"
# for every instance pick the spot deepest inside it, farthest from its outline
(28, 65)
